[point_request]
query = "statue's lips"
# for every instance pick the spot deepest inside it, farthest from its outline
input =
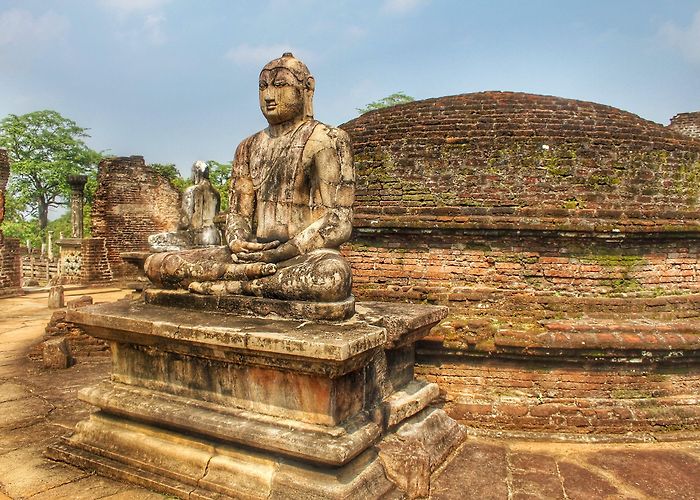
(270, 107)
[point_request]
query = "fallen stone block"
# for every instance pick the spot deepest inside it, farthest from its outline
(85, 300)
(56, 297)
(56, 354)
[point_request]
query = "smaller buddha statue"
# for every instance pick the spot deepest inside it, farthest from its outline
(196, 229)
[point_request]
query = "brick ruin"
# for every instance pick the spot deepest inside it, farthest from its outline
(563, 235)
(687, 124)
(132, 201)
(10, 259)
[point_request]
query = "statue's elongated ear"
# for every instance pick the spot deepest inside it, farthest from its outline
(309, 86)
(310, 83)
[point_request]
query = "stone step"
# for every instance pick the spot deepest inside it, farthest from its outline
(334, 446)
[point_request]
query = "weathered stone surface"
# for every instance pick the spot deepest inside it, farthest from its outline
(70, 260)
(259, 391)
(22, 412)
(56, 297)
(253, 306)
(406, 402)
(318, 342)
(294, 438)
(56, 353)
(581, 483)
(478, 470)
(177, 463)
(82, 301)
(393, 317)
(656, 474)
(417, 447)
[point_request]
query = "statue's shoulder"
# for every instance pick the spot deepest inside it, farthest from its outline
(245, 143)
(324, 136)
(242, 154)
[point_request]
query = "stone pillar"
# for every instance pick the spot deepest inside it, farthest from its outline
(77, 185)
(49, 245)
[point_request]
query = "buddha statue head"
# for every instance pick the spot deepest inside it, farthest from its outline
(286, 90)
(200, 171)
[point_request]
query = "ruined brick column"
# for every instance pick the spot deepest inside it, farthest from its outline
(77, 186)
(10, 264)
(686, 124)
(4, 176)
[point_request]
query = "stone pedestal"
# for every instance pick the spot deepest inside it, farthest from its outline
(203, 404)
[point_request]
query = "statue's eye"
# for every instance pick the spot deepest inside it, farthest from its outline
(262, 85)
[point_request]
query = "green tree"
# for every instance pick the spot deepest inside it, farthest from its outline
(170, 172)
(44, 148)
(392, 100)
(219, 175)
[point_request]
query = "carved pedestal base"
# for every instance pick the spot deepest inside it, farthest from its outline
(202, 405)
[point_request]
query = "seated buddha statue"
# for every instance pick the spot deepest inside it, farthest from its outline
(291, 193)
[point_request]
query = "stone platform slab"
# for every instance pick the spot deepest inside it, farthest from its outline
(243, 406)
(243, 305)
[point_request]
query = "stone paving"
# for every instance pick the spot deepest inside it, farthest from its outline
(37, 406)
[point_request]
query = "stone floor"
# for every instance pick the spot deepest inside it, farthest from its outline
(38, 405)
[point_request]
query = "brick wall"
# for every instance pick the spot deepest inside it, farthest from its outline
(565, 238)
(480, 154)
(687, 124)
(10, 263)
(95, 267)
(10, 267)
(132, 201)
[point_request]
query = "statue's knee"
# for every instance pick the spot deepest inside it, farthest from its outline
(334, 279)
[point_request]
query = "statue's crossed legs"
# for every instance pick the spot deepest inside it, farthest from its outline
(320, 276)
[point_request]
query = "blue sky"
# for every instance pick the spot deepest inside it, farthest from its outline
(176, 80)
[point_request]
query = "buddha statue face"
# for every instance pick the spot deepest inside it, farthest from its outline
(286, 90)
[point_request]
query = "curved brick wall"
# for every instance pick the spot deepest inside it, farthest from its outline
(528, 153)
(686, 124)
(132, 201)
(564, 236)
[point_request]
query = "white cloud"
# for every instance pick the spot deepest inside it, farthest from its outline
(153, 28)
(402, 6)
(245, 54)
(127, 7)
(355, 32)
(21, 27)
(685, 39)
(139, 20)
